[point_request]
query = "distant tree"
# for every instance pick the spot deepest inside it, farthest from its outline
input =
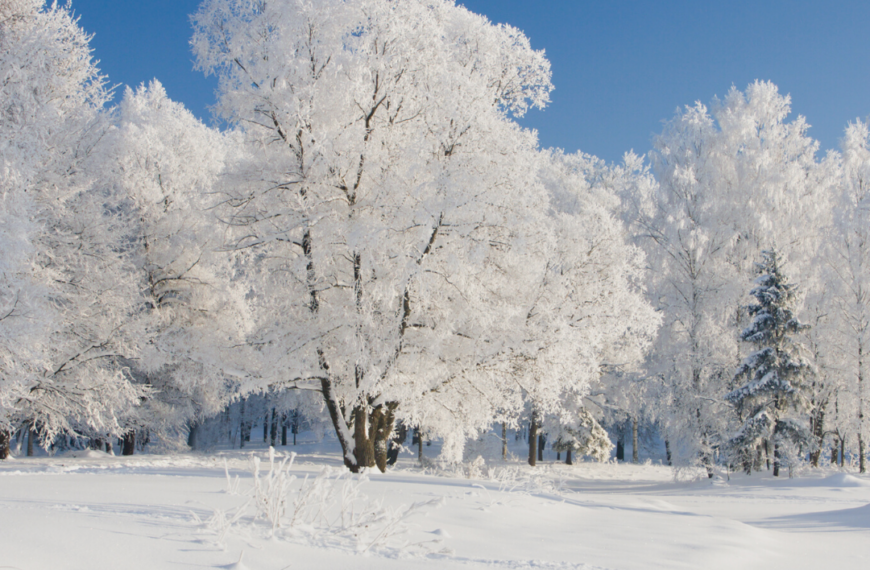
(847, 257)
(165, 163)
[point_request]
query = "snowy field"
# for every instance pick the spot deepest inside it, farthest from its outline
(89, 510)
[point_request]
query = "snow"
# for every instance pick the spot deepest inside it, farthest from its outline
(94, 510)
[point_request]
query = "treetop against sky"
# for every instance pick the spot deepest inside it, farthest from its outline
(620, 68)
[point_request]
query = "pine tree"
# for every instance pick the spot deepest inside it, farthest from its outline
(770, 401)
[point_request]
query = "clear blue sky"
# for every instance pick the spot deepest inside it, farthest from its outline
(620, 67)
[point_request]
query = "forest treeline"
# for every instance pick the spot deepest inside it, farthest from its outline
(371, 243)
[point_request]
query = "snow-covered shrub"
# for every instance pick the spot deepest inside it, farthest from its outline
(329, 508)
(270, 492)
(583, 436)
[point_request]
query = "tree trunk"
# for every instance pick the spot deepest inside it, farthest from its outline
(861, 465)
(533, 440)
(568, 457)
(842, 451)
(634, 455)
(542, 443)
(242, 407)
(668, 452)
(109, 449)
(383, 419)
(364, 449)
(504, 441)
(266, 427)
(273, 433)
(776, 459)
(129, 443)
(818, 425)
(31, 434)
(5, 437)
(620, 447)
(337, 416)
(284, 429)
(834, 450)
(192, 428)
(418, 435)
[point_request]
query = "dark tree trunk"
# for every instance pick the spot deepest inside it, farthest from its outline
(568, 460)
(533, 440)
(5, 437)
(192, 428)
(668, 452)
(776, 460)
(266, 427)
(862, 467)
(634, 453)
(109, 447)
(418, 437)
(384, 420)
(620, 447)
(337, 416)
(834, 453)
(364, 449)
(273, 434)
(842, 451)
(242, 424)
(542, 442)
(284, 429)
(31, 435)
(129, 443)
(504, 441)
(818, 426)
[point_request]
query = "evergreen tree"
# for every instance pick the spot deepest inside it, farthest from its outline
(770, 400)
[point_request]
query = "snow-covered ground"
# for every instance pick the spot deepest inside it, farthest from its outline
(88, 510)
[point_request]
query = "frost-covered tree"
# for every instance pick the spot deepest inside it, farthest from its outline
(771, 399)
(847, 256)
(165, 162)
(587, 312)
(381, 196)
(65, 273)
(687, 229)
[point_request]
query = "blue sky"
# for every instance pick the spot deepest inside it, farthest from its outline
(620, 67)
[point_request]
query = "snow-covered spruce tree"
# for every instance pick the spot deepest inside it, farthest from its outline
(381, 197)
(771, 402)
(65, 273)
